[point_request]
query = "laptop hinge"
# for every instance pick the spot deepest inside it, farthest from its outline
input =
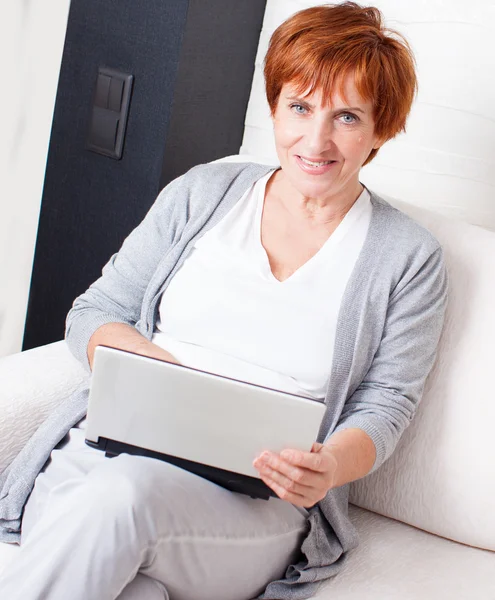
(100, 444)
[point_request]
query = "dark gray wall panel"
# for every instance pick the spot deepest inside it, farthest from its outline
(193, 63)
(213, 84)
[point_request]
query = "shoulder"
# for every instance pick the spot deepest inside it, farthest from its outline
(395, 228)
(221, 175)
(399, 248)
(199, 191)
(205, 186)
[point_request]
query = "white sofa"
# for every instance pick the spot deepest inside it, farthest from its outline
(427, 517)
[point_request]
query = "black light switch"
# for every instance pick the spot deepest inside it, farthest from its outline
(115, 94)
(103, 129)
(102, 89)
(111, 101)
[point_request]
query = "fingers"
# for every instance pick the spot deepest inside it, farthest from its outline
(291, 478)
(297, 485)
(302, 478)
(285, 494)
(298, 474)
(315, 460)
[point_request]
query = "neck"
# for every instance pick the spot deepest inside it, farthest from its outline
(321, 211)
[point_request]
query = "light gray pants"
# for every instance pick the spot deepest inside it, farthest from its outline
(136, 528)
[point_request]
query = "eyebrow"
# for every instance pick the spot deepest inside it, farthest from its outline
(353, 108)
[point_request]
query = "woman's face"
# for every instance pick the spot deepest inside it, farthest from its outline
(322, 146)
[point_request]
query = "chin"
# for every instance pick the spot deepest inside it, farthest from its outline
(308, 187)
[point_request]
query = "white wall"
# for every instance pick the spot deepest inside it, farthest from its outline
(446, 160)
(32, 35)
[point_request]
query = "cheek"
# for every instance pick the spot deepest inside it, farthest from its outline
(359, 146)
(286, 133)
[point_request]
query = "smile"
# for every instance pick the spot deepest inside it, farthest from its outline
(312, 163)
(315, 167)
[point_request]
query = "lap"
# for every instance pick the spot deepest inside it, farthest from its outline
(72, 459)
(200, 526)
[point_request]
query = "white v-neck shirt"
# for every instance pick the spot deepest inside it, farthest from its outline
(225, 312)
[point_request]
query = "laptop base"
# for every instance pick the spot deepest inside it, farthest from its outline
(235, 482)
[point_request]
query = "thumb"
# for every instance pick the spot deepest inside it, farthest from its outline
(317, 447)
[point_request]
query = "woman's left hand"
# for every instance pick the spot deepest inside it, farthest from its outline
(302, 478)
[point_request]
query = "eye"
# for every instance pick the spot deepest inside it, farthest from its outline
(348, 118)
(299, 109)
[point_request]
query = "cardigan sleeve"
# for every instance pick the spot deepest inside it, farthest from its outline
(117, 296)
(384, 403)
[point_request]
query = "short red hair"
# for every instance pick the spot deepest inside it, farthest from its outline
(318, 47)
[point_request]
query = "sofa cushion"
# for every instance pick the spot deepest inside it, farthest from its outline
(441, 477)
(395, 561)
(7, 553)
(34, 383)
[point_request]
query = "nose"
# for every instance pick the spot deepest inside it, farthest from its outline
(320, 135)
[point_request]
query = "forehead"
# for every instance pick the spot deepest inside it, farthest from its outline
(343, 93)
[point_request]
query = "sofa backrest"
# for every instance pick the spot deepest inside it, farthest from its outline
(441, 477)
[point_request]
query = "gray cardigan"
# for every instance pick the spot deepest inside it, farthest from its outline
(387, 334)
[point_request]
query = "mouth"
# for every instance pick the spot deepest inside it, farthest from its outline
(315, 167)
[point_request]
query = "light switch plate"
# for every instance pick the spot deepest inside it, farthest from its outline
(110, 110)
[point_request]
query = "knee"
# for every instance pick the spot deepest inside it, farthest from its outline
(115, 489)
(144, 588)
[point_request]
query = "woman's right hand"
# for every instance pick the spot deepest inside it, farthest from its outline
(125, 337)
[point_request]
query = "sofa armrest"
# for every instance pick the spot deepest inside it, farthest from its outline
(441, 477)
(33, 383)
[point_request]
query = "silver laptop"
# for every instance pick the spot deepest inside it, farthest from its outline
(210, 425)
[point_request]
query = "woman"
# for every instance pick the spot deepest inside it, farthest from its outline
(297, 278)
